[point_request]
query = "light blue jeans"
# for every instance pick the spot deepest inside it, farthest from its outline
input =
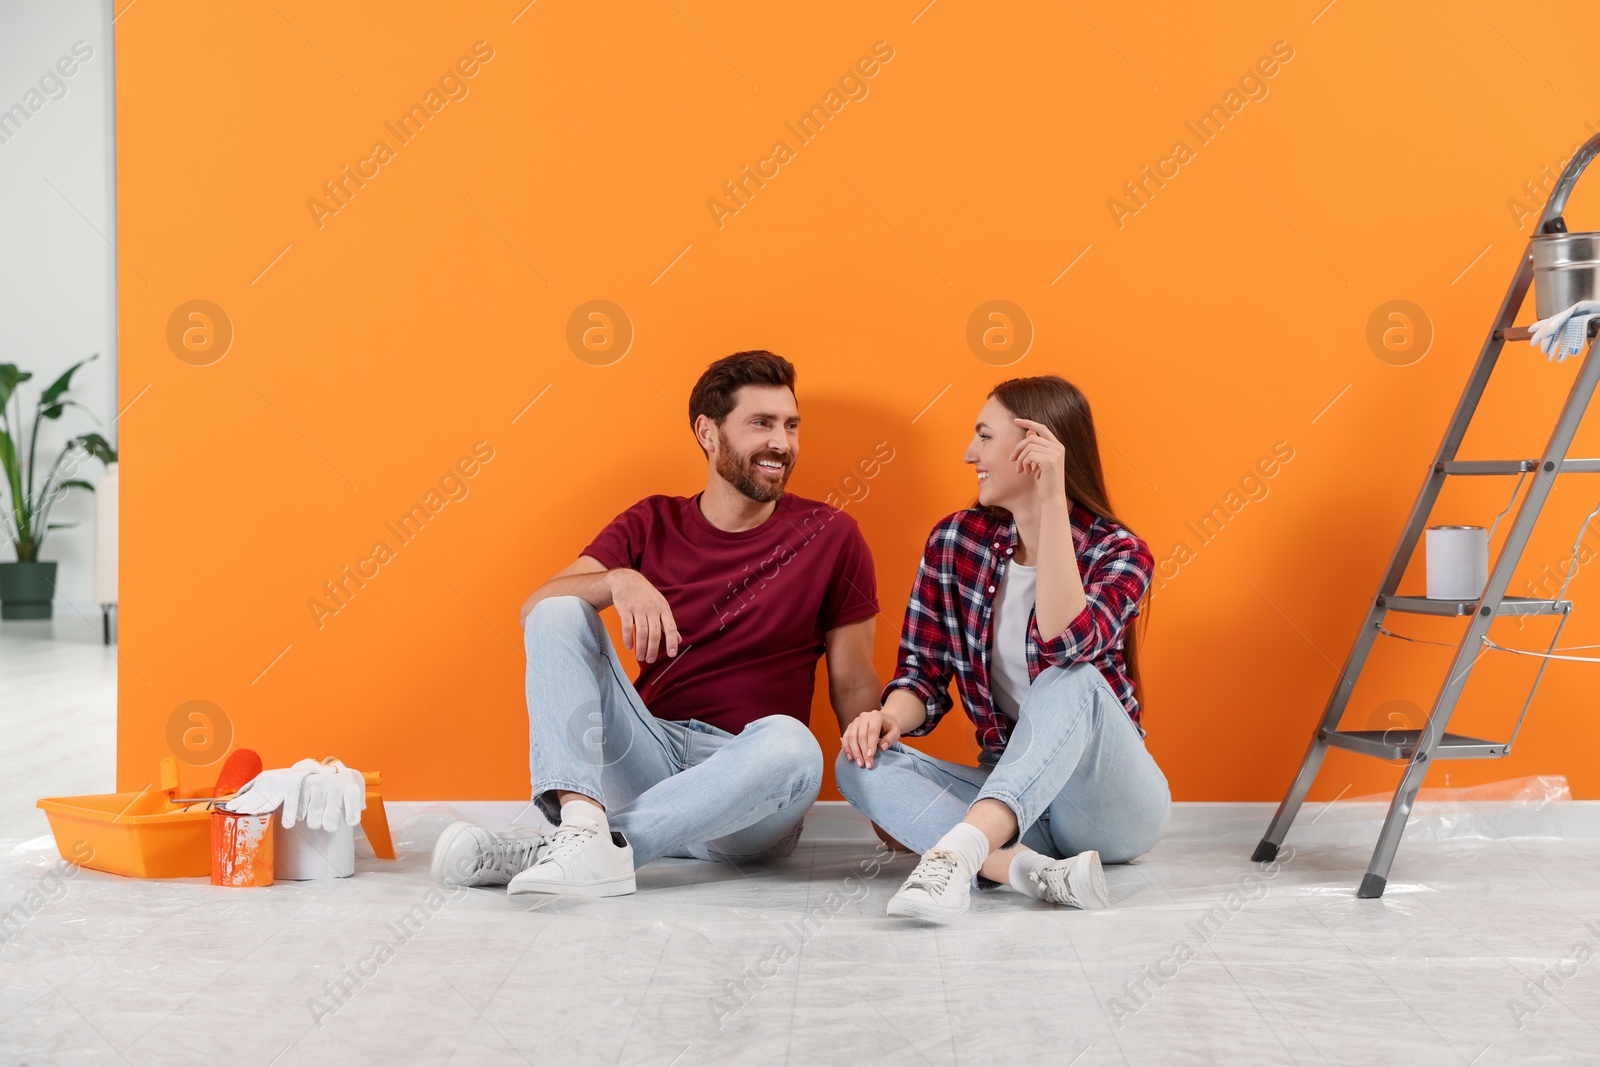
(1075, 772)
(686, 789)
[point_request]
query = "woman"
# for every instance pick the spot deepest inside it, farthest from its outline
(1026, 599)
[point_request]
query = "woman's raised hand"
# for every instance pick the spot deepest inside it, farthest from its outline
(868, 734)
(1042, 455)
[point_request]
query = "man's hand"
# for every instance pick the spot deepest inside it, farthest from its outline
(646, 618)
(868, 734)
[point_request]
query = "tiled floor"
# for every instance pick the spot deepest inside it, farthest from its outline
(795, 962)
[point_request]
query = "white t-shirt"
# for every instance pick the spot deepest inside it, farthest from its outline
(1008, 647)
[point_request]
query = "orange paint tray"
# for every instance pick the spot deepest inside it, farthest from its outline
(148, 834)
(141, 835)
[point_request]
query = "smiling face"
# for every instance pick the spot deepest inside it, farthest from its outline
(1000, 484)
(758, 442)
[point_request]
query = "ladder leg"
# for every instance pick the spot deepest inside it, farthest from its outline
(1279, 827)
(1377, 876)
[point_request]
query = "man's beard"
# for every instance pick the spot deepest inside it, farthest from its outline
(739, 472)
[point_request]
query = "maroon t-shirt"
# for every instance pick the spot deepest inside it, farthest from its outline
(751, 607)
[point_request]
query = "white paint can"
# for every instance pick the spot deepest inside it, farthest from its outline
(1458, 562)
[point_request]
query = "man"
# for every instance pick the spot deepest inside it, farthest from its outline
(727, 599)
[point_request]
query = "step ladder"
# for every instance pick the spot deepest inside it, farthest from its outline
(1420, 748)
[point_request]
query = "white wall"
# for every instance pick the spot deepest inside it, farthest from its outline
(57, 219)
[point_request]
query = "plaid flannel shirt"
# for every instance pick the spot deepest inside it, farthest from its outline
(947, 624)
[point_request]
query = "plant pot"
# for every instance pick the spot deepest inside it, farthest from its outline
(26, 589)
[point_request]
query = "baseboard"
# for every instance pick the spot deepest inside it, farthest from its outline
(1345, 822)
(1357, 822)
(70, 620)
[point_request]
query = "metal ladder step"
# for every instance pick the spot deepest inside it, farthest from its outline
(1402, 744)
(1514, 466)
(1525, 333)
(1511, 605)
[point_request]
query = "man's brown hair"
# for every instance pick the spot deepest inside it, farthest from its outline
(713, 394)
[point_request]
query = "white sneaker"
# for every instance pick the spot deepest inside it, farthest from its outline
(939, 888)
(474, 855)
(1078, 882)
(579, 861)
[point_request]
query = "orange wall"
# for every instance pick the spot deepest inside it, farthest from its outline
(375, 346)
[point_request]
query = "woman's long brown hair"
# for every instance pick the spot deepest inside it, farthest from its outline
(1060, 405)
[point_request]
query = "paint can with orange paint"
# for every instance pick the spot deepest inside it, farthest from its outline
(241, 848)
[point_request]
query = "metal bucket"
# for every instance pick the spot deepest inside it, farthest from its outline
(1566, 269)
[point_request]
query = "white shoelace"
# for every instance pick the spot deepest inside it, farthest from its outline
(567, 840)
(510, 855)
(934, 870)
(1054, 886)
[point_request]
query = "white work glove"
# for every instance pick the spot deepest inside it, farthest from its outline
(272, 789)
(333, 795)
(1564, 333)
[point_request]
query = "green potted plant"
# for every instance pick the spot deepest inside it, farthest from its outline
(27, 586)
